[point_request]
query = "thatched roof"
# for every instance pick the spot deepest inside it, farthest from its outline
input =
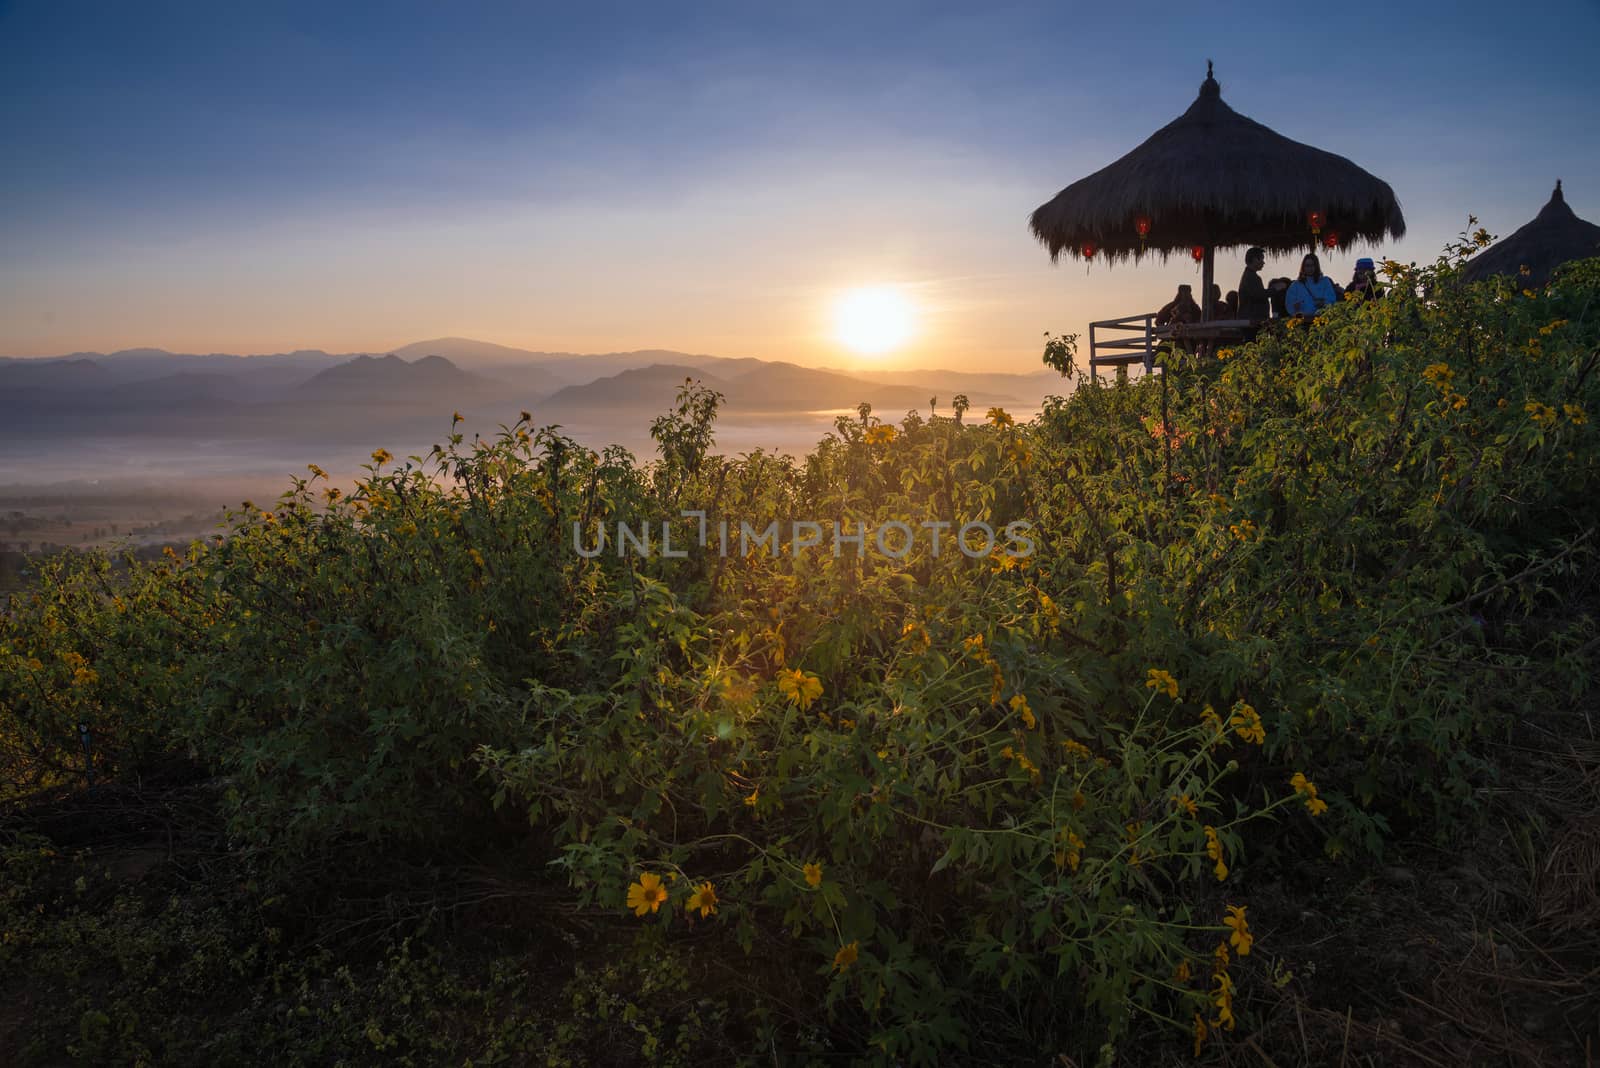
(1555, 236)
(1215, 178)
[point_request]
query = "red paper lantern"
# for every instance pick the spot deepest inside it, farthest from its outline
(1142, 224)
(1316, 220)
(1198, 252)
(1331, 239)
(1088, 250)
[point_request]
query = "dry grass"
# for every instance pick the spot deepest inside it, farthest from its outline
(1484, 954)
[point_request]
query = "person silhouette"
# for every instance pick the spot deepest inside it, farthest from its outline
(1180, 309)
(1254, 303)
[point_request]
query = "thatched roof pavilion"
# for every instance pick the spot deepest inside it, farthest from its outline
(1212, 179)
(1555, 236)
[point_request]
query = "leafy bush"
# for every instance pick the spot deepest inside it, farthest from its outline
(992, 802)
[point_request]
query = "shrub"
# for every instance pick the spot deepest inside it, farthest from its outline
(948, 802)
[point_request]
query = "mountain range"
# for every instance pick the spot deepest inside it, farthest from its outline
(409, 394)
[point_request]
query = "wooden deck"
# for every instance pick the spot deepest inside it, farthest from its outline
(1122, 342)
(1135, 339)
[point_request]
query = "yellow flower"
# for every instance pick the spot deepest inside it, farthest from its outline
(1161, 682)
(1019, 705)
(1222, 998)
(880, 435)
(813, 874)
(1439, 374)
(1224, 354)
(456, 418)
(1241, 939)
(915, 630)
(801, 688)
(1542, 414)
(1022, 761)
(1214, 851)
(1185, 802)
(1182, 973)
(1050, 610)
(752, 797)
(382, 456)
(704, 899)
(973, 644)
(846, 956)
(1209, 715)
(1071, 853)
(998, 417)
(1247, 724)
(1076, 749)
(316, 471)
(1199, 1033)
(1307, 789)
(1575, 413)
(646, 895)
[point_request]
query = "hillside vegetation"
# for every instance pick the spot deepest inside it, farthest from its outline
(403, 774)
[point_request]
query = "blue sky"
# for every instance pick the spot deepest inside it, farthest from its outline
(699, 176)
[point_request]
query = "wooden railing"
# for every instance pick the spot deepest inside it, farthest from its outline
(1127, 341)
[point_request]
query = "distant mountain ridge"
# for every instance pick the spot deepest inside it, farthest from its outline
(310, 395)
(389, 377)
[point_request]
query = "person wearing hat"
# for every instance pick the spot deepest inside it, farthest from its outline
(1365, 280)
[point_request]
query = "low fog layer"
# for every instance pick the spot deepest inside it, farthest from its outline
(145, 417)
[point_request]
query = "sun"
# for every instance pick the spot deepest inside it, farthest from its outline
(873, 319)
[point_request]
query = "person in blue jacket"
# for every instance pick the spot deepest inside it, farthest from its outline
(1313, 290)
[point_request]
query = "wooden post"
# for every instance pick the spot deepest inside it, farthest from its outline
(1207, 312)
(1166, 431)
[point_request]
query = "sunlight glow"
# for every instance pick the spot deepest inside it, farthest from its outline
(873, 319)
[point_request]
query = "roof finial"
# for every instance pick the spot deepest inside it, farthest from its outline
(1208, 68)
